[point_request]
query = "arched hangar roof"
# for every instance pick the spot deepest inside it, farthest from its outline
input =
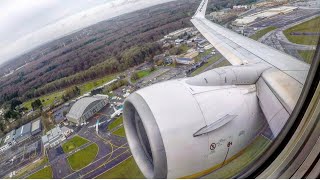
(80, 107)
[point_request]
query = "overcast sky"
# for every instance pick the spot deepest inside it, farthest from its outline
(26, 24)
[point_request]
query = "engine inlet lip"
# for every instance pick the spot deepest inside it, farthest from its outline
(157, 167)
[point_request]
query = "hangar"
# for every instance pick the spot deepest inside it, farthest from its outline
(85, 108)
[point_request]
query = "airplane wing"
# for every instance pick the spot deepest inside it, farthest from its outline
(279, 87)
(238, 49)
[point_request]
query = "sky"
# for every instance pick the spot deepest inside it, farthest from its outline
(26, 24)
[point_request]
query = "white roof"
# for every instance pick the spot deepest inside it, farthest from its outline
(77, 110)
(35, 125)
(64, 129)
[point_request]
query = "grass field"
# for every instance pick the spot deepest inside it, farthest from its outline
(142, 74)
(120, 132)
(30, 167)
(74, 143)
(49, 99)
(262, 32)
(212, 60)
(115, 123)
(128, 169)
(308, 26)
(46, 100)
(45, 173)
(83, 157)
(201, 55)
(251, 153)
(89, 86)
(307, 55)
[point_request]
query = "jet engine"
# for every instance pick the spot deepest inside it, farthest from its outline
(189, 127)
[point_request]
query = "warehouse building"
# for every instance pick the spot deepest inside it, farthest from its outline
(23, 133)
(185, 61)
(85, 108)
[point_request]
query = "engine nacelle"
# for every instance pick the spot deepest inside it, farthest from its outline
(175, 129)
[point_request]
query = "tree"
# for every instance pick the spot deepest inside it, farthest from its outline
(135, 76)
(11, 114)
(71, 93)
(15, 103)
(37, 104)
(152, 68)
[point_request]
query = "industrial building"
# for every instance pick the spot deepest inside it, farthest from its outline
(53, 138)
(85, 108)
(179, 32)
(247, 20)
(23, 133)
(185, 61)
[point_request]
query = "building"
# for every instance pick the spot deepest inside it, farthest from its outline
(180, 32)
(85, 108)
(36, 127)
(240, 7)
(185, 61)
(66, 131)
(23, 133)
(53, 137)
(247, 20)
(179, 41)
(7, 141)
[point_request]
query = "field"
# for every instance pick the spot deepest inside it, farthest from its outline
(120, 132)
(307, 56)
(46, 100)
(212, 60)
(49, 99)
(83, 157)
(31, 167)
(115, 123)
(201, 55)
(306, 27)
(142, 74)
(262, 32)
(45, 173)
(73, 143)
(251, 153)
(89, 86)
(128, 169)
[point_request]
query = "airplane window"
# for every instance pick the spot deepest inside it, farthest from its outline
(135, 89)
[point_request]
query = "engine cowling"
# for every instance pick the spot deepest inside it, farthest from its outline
(162, 122)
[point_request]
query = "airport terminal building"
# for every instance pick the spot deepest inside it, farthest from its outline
(85, 108)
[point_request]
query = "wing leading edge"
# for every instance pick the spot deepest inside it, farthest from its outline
(238, 49)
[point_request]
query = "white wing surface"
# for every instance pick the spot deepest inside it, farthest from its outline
(279, 86)
(238, 49)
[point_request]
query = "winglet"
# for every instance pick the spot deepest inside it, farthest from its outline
(201, 11)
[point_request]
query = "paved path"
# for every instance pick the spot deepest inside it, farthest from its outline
(60, 167)
(277, 39)
(111, 164)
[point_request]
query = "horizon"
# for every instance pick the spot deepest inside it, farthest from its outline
(71, 21)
